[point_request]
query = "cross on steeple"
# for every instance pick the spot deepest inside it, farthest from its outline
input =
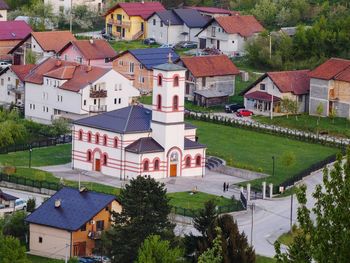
(169, 58)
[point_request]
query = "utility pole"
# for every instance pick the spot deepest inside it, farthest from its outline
(270, 45)
(66, 259)
(252, 227)
(291, 212)
(71, 16)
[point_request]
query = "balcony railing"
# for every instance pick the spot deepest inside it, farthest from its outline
(120, 23)
(95, 108)
(95, 234)
(12, 88)
(98, 93)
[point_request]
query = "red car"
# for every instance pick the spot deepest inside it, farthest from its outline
(244, 113)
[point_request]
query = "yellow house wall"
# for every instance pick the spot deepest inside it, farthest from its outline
(341, 91)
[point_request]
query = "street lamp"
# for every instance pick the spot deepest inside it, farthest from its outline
(273, 165)
(30, 156)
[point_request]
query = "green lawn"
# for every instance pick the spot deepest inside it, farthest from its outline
(126, 45)
(262, 259)
(53, 155)
(37, 259)
(338, 127)
(252, 150)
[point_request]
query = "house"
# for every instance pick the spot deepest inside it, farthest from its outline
(138, 65)
(42, 44)
(7, 203)
(11, 33)
(70, 223)
(210, 80)
(93, 52)
(229, 33)
(128, 21)
(3, 10)
(12, 84)
(62, 89)
(272, 87)
(136, 141)
(64, 6)
(330, 88)
(173, 26)
(213, 11)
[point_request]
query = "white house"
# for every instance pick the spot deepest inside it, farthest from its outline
(3, 10)
(137, 141)
(63, 6)
(173, 26)
(229, 33)
(57, 88)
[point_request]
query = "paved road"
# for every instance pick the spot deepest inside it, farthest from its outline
(39, 198)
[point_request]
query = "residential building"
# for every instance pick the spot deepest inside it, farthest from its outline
(3, 10)
(12, 84)
(7, 203)
(128, 21)
(136, 141)
(93, 52)
(42, 44)
(229, 33)
(61, 89)
(330, 88)
(272, 87)
(173, 26)
(64, 6)
(11, 33)
(70, 223)
(138, 65)
(210, 80)
(213, 11)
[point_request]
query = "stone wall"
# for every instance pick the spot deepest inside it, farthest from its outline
(241, 173)
(27, 188)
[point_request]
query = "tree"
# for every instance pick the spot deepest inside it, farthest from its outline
(332, 114)
(265, 11)
(31, 204)
(30, 57)
(319, 112)
(205, 217)
(14, 225)
(59, 127)
(41, 15)
(11, 250)
(326, 238)
(156, 250)
(213, 254)
(145, 212)
(286, 105)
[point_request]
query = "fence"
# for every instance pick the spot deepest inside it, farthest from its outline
(37, 144)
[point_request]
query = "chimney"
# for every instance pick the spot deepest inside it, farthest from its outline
(91, 41)
(57, 203)
(58, 63)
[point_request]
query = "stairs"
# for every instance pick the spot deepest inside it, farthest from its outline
(213, 162)
(137, 35)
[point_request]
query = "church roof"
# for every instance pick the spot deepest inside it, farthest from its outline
(169, 67)
(144, 145)
(189, 144)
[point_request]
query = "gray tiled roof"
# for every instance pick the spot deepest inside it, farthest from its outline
(211, 93)
(192, 18)
(189, 144)
(144, 145)
(169, 15)
(169, 67)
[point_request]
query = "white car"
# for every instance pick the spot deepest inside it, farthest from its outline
(4, 64)
(20, 204)
(167, 46)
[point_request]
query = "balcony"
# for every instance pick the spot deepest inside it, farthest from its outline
(98, 93)
(97, 109)
(18, 90)
(116, 22)
(95, 235)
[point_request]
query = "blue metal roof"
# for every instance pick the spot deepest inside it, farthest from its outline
(75, 210)
(192, 18)
(150, 57)
(169, 16)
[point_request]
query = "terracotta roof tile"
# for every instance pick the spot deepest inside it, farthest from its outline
(53, 40)
(205, 66)
(334, 68)
(259, 95)
(65, 72)
(14, 30)
(3, 5)
(296, 81)
(22, 70)
(244, 25)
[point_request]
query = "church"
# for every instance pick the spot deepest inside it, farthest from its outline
(134, 140)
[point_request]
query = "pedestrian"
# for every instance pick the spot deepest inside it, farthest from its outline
(224, 186)
(227, 185)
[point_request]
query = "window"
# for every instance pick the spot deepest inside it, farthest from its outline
(105, 159)
(176, 102)
(159, 102)
(8, 78)
(120, 62)
(176, 81)
(141, 79)
(65, 57)
(213, 32)
(84, 102)
(198, 160)
(203, 82)
(119, 100)
(97, 138)
(40, 240)
(131, 67)
(300, 98)
(262, 86)
(188, 161)
(154, 22)
(95, 101)
(115, 143)
(80, 135)
(83, 228)
(156, 165)
(141, 66)
(160, 80)
(80, 60)
(161, 23)
(233, 41)
(105, 139)
(89, 137)
(100, 225)
(115, 100)
(146, 166)
(89, 155)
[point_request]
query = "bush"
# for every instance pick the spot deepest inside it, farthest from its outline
(31, 204)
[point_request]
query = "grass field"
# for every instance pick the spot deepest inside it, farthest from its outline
(262, 259)
(36, 259)
(126, 45)
(340, 126)
(252, 150)
(55, 155)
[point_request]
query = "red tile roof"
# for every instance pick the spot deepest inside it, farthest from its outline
(334, 68)
(213, 10)
(296, 81)
(14, 30)
(53, 40)
(22, 70)
(244, 25)
(260, 95)
(142, 9)
(206, 66)
(3, 5)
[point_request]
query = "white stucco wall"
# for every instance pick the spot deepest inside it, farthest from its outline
(6, 79)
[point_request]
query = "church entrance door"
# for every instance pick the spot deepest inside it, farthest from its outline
(98, 165)
(173, 170)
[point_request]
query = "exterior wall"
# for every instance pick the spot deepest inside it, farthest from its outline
(319, 94)
(6, 46)
(3, 15)
(8, 80)
(142, 77)
(53, 244)
(191, 134)
(95, 5)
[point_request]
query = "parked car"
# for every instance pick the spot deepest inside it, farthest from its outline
(167, 46)
(233, 107)
(188, 44)
(244, 113)
(20, 204)
(108, 37)
(102, 259)
(4, 64)
(149, 41)
(87, 260)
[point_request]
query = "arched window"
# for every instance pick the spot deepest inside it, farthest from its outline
(176, 81)
(89, 155)
(175, 102)
(105, 139)
(89, 137)
(160, 80)
(198, 160)
(159, 102)
(97, 138)
(146, 166)
(188, 161)
(116, 142)
(80, 135)
(105, 159)
(156, 165)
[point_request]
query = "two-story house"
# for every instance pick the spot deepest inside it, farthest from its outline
(272, 87)
(173, 26)
(3, 10)
(70, 223)
(210, 80)
(12, 84)
(62, 89)
(138, 65)
(42, 44)
(64, 6)
(330, 88)
(213, 11)
(128, 21)
(93, 52)
(229, 33)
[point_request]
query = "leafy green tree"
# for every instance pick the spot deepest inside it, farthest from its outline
(213, 254)
(59, 127)
(265, 11)
(31, 203)
(332, 114)
(30, 57)
(286, 105)
(319, 112)
(145, 212)
(14, 225)
(156, 250)
(11, 250)
(40, 14)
